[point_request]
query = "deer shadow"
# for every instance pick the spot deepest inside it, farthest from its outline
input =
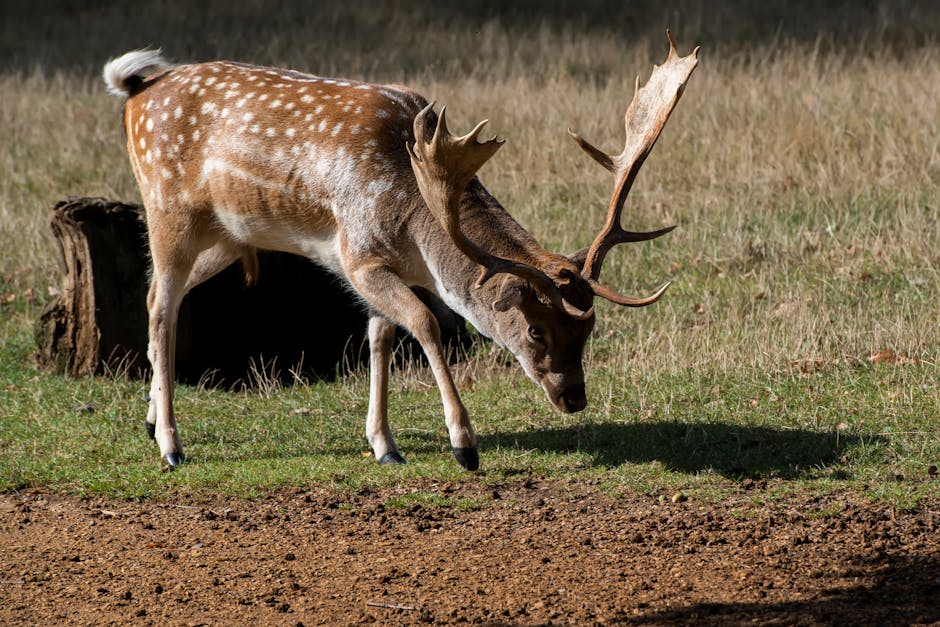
(728, 449)
(895, 590)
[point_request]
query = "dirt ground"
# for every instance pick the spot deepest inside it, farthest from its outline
(533, 553)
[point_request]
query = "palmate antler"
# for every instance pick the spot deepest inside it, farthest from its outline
(443, 167)
(645, 118)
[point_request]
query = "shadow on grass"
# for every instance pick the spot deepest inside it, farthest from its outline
(897, 590)
(731, 450)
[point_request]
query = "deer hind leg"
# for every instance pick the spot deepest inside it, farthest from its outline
(378, 433)
(163, 300)
(390, 295)
(207, 264)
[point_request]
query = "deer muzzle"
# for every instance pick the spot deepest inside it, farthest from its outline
(571, 399)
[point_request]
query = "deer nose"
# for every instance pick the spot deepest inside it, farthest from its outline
(573, 399)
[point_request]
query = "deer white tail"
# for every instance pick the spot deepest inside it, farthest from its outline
(122, 74)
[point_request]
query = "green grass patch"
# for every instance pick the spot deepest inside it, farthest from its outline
(866, 428)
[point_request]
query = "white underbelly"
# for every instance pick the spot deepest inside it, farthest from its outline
(271, 234)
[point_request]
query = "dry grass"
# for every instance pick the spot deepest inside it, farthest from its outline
(803, 175)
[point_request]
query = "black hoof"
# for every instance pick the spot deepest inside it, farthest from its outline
(467, 457)
(392, 459)
(151, 430)
(172, 460)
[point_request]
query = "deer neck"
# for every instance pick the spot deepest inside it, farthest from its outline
(455, 275)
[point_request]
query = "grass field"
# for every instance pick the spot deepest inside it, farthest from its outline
(798, 344)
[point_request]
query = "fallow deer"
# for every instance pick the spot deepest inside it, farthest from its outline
(367, 181)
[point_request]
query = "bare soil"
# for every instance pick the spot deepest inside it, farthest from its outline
(530, 553)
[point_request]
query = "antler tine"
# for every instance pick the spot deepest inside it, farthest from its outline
(644, 120)
(443, 168)
(595, 153)
(605, 292)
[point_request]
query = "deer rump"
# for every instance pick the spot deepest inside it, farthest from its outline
(367, 181)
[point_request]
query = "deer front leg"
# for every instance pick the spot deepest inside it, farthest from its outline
(378, 433)
(385, 291)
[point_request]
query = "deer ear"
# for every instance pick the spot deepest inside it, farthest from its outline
(511, 296)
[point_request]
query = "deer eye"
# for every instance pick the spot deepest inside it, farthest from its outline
(536, 334)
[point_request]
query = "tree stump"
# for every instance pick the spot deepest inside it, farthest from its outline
(297, 320)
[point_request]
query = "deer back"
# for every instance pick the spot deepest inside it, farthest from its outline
(275, 158)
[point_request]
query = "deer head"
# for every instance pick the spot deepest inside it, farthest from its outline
(543, 304)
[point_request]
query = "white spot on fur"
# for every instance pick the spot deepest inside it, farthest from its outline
(248, 117)
(322, 126)
(177, 113)
(290, 132)
(336, 129)
(149, 125)
(207, 107)
(196, 135)
(271, 132)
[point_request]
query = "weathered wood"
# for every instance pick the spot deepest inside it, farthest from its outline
(296, 319)
(99, 320)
